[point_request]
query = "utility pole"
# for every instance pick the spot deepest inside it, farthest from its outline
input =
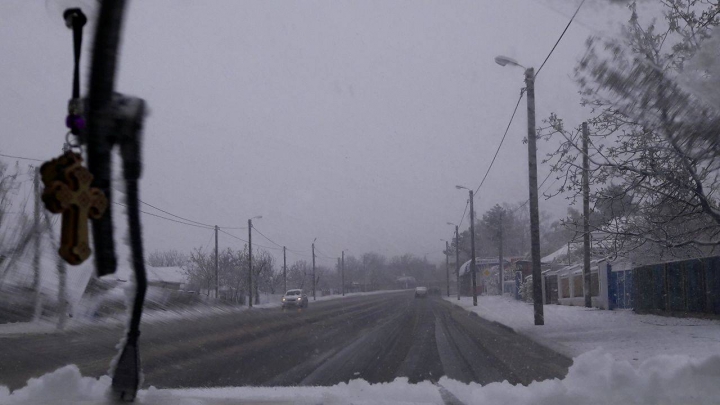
(342, 269)
(313, 254)
(284, 271)
(534, 205)
(217, 279)
(586, 214)
(502, 259)
(457, 260)
(473, 266)
(447, 266)
(250, 294)
(36, 245)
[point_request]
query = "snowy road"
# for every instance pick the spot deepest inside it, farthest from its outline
(374, 337)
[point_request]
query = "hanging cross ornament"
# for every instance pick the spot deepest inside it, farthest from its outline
(68, 191)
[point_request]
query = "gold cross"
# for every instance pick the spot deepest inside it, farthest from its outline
(68, 191)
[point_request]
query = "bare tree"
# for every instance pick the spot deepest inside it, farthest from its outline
(167, 258)
(299, 275)
(200, 269)
(653, 147)
(16, 229)
(263, 268)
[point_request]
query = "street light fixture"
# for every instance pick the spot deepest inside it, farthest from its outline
(342, 270)
(447, 265)
(250, 284)
(313, 272)
(473, 266)
(533, 183)
(457, 258)
(504, 60)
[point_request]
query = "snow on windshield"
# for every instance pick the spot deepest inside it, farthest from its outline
(594, 378)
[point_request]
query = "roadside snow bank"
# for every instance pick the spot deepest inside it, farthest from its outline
(622, 333)
(597, 378)
(594, 378)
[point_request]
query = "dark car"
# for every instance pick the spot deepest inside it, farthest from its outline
(294, 298)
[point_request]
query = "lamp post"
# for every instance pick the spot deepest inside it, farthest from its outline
(313, 272)
(457, 258)
(532, 174)
(447, 265)
(473, 267)
(342, 270)
(250, 284)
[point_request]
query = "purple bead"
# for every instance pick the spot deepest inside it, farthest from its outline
(75, 122)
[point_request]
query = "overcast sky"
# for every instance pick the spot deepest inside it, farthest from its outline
(346, 121)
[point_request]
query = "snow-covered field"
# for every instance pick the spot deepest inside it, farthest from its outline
(620, 333)
(594, 378)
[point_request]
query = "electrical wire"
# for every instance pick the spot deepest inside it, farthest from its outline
(501, 141)
(464, 212)
(539, 187)
(20, 157)
(559, 39)
(243, 240)
(179, 217)
(516, 107)
(270, 240)
(166, 218)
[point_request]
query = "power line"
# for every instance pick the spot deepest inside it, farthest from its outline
(166, 218)
(516, 107)
(540, 186)
(263, 235)
(501, 142)
(243, 240)
(20, 157)
(464, 212)
(171, 214)
(561, 37)
(178, 216)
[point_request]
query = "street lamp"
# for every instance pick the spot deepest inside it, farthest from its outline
(342, 270)
(532, 174)
(250, 285)
(457, 258)
(313, 272)
(447, 265)
(472, 243)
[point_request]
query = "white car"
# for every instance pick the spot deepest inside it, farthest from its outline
(421, 292)
(294, 298)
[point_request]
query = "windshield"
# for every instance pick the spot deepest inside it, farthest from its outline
(386, 201)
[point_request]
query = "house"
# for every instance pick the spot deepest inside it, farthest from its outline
(170, 278)
(566, 286)
(487, 275)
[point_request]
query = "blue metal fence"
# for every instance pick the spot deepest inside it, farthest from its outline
(682, 286)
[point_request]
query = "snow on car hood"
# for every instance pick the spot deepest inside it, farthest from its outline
(594, 378)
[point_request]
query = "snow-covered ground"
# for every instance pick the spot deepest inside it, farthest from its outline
(594, 378)
(620, 333)
(46, 326)
(619, 357)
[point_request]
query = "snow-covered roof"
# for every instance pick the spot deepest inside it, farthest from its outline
(563, 251)
(488, 262)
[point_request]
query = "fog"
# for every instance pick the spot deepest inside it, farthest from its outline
(346, 121)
